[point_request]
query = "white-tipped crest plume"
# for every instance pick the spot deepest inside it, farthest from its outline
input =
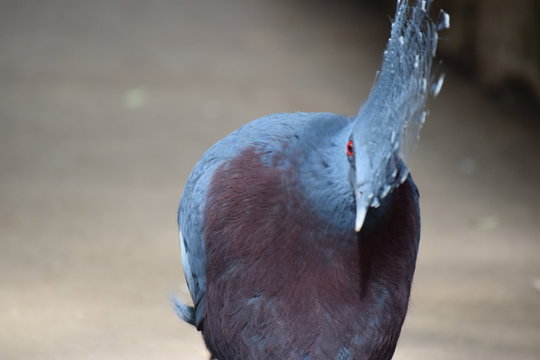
(389, 122)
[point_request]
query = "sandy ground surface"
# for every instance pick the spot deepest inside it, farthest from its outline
(105, 106)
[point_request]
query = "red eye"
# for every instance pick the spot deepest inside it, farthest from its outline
(350, 149)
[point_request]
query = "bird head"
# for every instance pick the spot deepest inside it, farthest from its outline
(389, 121)
(376, 166)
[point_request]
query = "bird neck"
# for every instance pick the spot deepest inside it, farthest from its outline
(325, 178)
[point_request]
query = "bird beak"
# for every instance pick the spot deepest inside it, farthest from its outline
(360, 216)
(361, 211)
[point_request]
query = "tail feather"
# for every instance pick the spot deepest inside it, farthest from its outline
(184, 312)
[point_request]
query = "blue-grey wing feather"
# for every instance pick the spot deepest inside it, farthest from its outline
(191, 232)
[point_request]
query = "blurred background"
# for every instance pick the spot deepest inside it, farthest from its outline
(106, 105)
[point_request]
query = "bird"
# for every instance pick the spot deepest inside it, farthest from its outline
(299, 232)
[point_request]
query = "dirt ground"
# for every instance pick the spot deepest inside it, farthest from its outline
(105, 106)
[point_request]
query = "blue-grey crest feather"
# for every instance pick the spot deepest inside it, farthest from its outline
(390, 120)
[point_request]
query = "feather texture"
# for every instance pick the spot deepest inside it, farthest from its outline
(389, 122)
(299, 232)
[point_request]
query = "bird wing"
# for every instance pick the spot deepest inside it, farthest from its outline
(191, 236)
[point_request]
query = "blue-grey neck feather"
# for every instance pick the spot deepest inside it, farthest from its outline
(389, 122)
(325, 171)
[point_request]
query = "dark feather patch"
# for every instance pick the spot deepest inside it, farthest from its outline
(280, 286)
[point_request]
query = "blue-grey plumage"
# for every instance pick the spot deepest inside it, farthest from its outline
(312, 212)
(389, 121)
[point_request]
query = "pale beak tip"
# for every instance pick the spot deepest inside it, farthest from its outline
(360, 216)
